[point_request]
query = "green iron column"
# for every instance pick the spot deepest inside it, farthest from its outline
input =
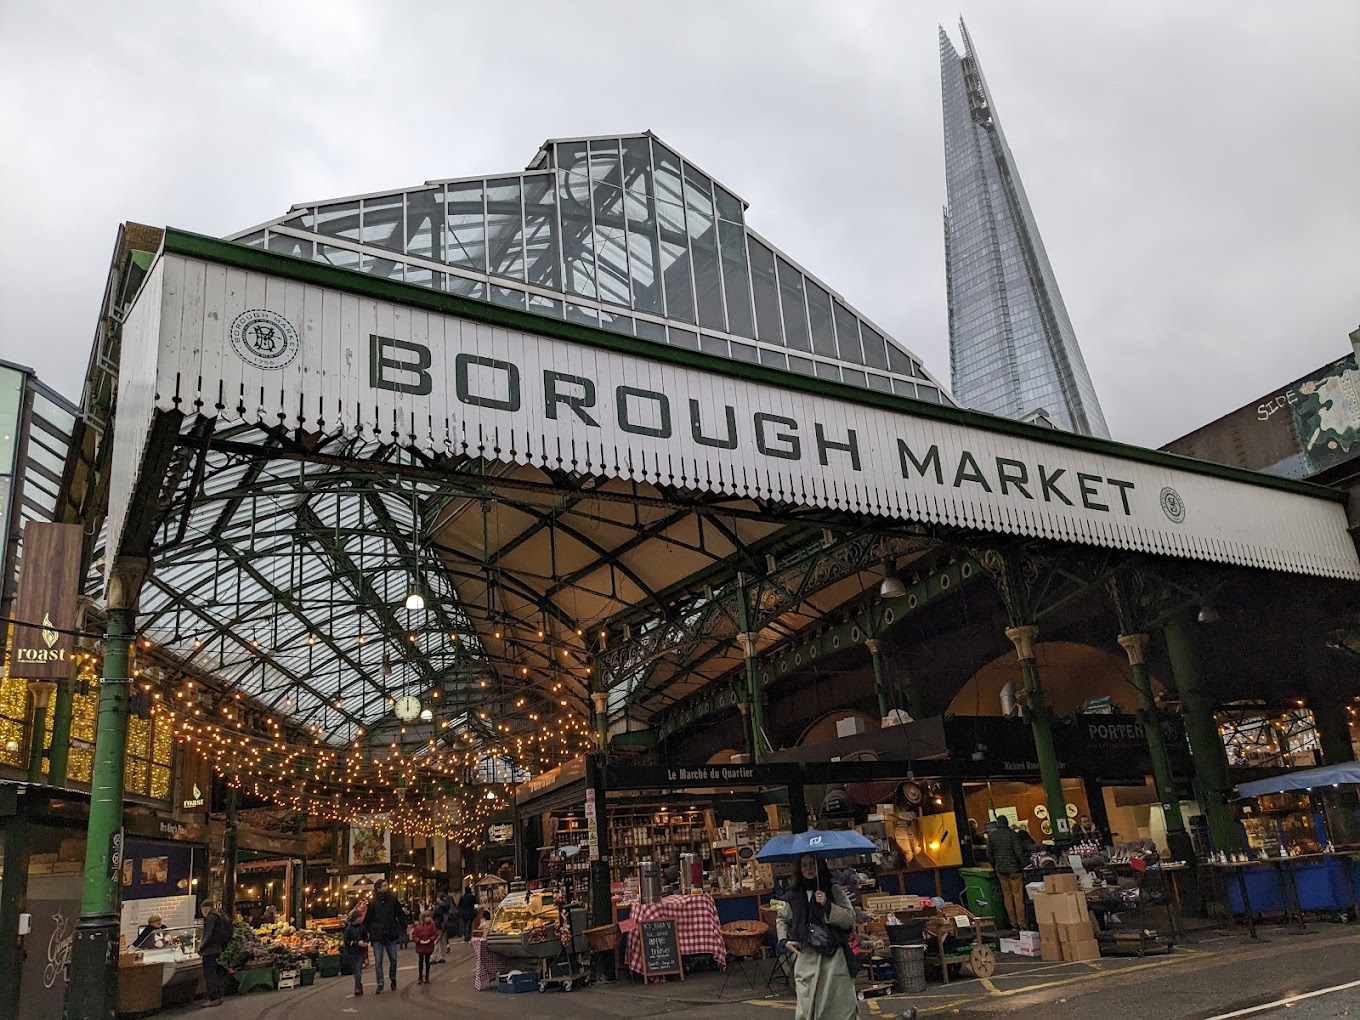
(600, 701)
(876, 656)
(748, 637)
(755, 714)
(59, 754)
(1332, 720)
(1042, 725)
(92, 989)
(40, 694)
(229, 838)
(1177, 839)
(1212, 784)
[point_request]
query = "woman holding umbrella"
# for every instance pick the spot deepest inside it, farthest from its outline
(812, 924)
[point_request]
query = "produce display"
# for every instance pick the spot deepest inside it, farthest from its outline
(525, 912)
(278, 945)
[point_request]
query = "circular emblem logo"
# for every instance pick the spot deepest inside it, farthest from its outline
(264, 339)
(1172, 505)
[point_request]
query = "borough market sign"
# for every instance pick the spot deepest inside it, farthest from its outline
(243, 335)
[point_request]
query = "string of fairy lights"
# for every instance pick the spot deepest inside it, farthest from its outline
(445, 785)
(429, 789)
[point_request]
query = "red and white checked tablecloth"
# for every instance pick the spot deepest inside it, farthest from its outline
(696, 928)
(487, 965)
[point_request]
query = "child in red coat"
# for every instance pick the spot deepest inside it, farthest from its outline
(424, 935)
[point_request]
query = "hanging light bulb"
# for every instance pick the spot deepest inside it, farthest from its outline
(414, 599)
(386, 668)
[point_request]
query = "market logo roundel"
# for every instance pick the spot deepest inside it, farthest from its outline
(264, 339)
(1172, 505)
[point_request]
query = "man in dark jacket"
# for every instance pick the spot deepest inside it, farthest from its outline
(467, 908)
(385, 921)
(216, 934)
(1008, 861)
(444, 917)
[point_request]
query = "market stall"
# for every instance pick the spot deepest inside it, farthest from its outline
(697, 928)
(1302, 843)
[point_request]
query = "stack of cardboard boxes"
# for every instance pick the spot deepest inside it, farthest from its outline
(1065, 929)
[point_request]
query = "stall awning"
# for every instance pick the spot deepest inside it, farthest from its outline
(1328, 775)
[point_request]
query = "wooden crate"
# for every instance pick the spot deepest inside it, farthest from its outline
(882, 903)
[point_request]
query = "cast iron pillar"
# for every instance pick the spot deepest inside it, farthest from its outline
(40, 695)
(229, 840)
(1333, 729)
(1177, 839)
(597, 817)
(600, 700)
(1042, 725)
(93, 985)
(756, 713)
(1212, 785)
(748, 637)
(59, 754)
(875, 647)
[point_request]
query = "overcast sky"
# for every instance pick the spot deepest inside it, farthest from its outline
(1194, 167)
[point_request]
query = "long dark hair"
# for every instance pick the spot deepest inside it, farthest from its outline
(822, 881)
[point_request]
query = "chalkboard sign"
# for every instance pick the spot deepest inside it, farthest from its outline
(660, 948)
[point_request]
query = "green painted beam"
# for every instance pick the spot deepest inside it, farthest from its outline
(726, 693)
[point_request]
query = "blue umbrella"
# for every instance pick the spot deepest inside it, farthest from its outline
(787, 848)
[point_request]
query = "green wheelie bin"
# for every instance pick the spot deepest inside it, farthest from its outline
(982, 894)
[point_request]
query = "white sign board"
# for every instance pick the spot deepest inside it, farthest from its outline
(246, 345)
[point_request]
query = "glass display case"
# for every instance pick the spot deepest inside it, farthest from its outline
(1283, 823)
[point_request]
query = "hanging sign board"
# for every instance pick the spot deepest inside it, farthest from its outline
(245, 335)
(660, 948)
(47, 604)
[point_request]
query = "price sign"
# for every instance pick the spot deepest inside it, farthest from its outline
(962, 921)
(660, 948)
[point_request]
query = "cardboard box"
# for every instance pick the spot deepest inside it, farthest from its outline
(1088, 949)
(1010, 946)
(1066, 882)
(1028, 939)
(1048, 933)
(1075, 931)
(1060, 908)
(1051, 952)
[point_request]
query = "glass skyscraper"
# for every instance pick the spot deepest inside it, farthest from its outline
(1012, 349)
(622, 233)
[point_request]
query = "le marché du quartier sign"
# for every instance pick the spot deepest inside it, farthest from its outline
(399, 365)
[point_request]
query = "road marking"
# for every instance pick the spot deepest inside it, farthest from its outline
(987, 984)
(768, 1002)
(1287, 1002)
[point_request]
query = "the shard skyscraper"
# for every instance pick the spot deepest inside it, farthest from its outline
(1012, 349)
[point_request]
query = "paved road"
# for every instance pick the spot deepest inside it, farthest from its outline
(1218, 976)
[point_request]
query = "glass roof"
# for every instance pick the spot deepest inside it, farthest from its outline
(621, 233)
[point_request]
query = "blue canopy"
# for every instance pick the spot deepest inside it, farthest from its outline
(1328, 775)
(787, 848)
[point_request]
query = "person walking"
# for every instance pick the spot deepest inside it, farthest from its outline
(1008, 861)
(385, 921)
(445, 918)
(424, 935)
(355, 939)
(812, 923)
(467, 909)
(216, 934)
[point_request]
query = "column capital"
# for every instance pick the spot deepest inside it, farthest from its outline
(1136, 647)
(600, 699)
(741, 707)
(874, 645)
(1023, 639)
(748, 643)
(125, 581)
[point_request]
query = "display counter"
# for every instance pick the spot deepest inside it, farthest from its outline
(139, 988)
